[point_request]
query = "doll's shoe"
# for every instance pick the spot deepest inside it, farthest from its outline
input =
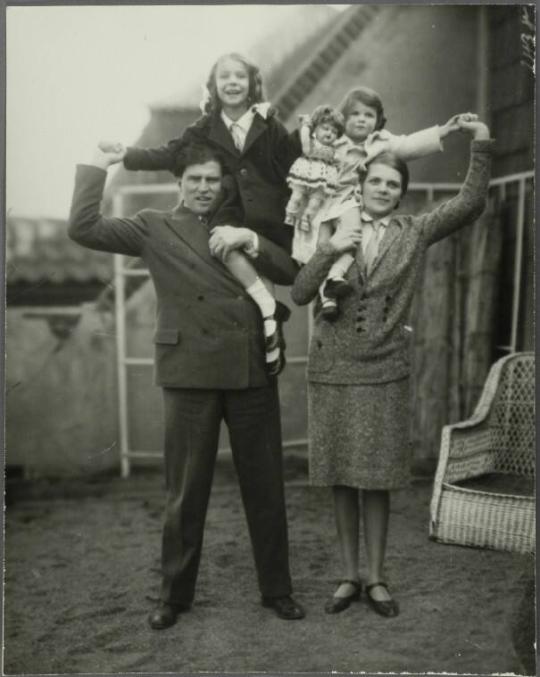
(337, 604)
(388, 608)
(337, 288)
(305, 224)
(329, 309)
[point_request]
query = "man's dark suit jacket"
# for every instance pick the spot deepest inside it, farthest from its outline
(209, 332)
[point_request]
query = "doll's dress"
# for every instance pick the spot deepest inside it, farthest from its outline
(316, 169)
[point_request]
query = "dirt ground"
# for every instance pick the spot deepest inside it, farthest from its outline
(82, 572)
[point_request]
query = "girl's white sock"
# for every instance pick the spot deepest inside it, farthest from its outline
(267, 304)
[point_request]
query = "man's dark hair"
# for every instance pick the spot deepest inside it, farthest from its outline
(197, 154)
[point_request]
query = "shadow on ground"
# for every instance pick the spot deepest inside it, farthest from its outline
(82, 572)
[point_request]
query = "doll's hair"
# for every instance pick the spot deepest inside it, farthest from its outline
(368, 97)
(327, 114)
(393, 161)
(197, 154)
(255, 92)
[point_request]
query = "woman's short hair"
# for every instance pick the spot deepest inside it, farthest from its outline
(255, 91)
(327, 114)
(391, 160)
(196, 154)
(368, 97)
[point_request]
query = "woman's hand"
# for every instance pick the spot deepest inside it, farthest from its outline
(453, 124)
(476, 128)
(346, 237)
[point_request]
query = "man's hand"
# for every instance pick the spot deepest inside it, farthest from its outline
(104, 158)
(453, 124)
(224, 239)
(476, 128)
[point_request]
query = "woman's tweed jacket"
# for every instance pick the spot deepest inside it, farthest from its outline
(369, 343)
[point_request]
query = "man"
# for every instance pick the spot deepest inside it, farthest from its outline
(210, 362)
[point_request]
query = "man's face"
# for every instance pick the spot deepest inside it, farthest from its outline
(200, 185)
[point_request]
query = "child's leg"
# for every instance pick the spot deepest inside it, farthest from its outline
(337, 285)
(261, 291)
(314, 203)
(295, 205)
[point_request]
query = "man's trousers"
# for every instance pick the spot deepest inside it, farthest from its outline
(192, 424)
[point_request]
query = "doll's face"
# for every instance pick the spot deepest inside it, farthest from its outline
(360, 122)
(232, 83)
(381, 190)
(325, 133)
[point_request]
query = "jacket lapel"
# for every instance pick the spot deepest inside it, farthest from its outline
(257, 128)
(392, 230)
(220, 135)
(195, 236)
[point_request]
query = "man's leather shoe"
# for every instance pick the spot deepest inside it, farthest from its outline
(285, 607)
(165, 615)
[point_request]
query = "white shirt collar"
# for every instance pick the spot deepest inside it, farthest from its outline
(243, 122)
(369, 219)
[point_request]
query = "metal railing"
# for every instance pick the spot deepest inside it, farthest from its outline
(501, 186)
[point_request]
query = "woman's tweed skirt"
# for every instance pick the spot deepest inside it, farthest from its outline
(359, 435)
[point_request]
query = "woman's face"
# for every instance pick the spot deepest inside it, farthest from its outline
(381, 190)
(232, 83)
(360, 122)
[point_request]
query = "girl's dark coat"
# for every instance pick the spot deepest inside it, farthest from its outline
(260, 170)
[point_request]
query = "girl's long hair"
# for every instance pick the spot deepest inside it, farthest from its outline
(255, 91)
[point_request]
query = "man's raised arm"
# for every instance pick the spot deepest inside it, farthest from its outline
(87, 226)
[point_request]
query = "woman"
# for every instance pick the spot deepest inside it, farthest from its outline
(359, 366)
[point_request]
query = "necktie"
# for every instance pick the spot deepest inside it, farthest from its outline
(372, 247)
(237, 136)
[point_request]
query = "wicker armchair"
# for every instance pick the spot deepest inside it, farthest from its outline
(499, 439)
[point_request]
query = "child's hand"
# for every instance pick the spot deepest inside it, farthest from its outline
(453, 124)
(112, 147)
(303, 119)
(105, 158)
(476, 128)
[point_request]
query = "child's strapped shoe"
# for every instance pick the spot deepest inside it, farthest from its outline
(337, 288)
(305, 224)
(329, 309)
(276, 341)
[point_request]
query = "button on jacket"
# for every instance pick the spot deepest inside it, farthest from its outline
(209, 332)
(260, 169)
(369, 341)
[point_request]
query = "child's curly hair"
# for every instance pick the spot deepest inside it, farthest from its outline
(327, 114)
(255, 92)
(368, 97)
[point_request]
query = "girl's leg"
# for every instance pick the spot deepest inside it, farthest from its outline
(295, 205)
(347, 523)
(259, 290)
(329, 305)
(342, 265)
(376, 509)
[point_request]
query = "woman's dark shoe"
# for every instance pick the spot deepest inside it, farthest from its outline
(387, 608)
(285, 607)
(336, 604)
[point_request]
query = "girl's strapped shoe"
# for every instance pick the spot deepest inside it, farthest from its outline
(337, 604)
(329, 310)
(388, 608)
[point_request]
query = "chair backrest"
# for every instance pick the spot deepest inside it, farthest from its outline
(512, 420)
